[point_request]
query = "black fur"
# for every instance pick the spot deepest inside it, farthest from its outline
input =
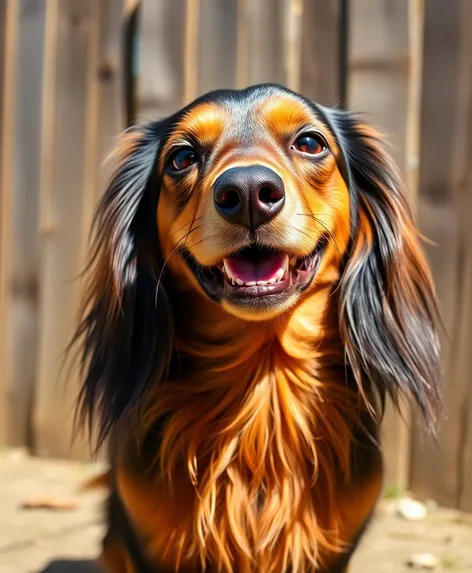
(127, 343)
(388, 316)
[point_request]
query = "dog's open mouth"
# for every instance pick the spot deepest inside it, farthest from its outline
(258, 271)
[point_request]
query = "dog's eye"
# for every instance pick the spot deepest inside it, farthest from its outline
(182, 159)
(310, 143)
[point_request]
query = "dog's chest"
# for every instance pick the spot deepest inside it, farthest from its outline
(243, 479)
(230, 521)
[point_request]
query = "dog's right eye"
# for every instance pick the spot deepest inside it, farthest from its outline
(182, 159)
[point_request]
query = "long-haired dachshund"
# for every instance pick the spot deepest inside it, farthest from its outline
(256, 291)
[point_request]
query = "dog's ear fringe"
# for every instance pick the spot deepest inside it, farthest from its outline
(124, 338)
(388, 307)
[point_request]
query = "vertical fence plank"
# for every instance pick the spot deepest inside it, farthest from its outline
(191, 42)
(293, 44)
(397, 430)
(442, 218)
(129, 59)
(320, 59)
(9, 13)
(26, 177)
(92, 125)
(4, 207)
(343, 50)
(464, 175)
(415, 84)
(379, 67)
(217, 46)
(242, 44)
(378, 84)
(65, 207)
(463, 335)
(111, 77)
(161, 58)
(267, 37)
(83, 110)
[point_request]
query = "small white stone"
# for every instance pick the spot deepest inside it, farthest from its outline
(18, 454)
(410, 509)
(423, 561)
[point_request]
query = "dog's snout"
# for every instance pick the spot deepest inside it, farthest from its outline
(249, 196)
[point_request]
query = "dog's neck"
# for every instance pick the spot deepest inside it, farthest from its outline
(240, 380)
(206, 332)
(231, 365)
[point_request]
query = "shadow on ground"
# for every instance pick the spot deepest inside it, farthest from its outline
(72, 566)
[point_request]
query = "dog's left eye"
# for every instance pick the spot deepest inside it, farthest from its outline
(310, 143)
(182, 159)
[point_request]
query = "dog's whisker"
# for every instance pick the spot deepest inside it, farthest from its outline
(192, 222)
(320, 222)
(301, 231)
(209, 238)
(176, 246)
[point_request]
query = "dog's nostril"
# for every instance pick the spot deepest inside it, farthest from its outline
(228, 199)
(269, 195)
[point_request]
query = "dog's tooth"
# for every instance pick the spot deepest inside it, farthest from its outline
(262, 282)
(286, 262)
(250, 283)
(240, 282)
(272, 281)
(232, 282)
(226, 270)
(279, 275)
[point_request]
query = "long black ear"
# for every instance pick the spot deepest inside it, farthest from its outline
(388, 311)
(126, 330)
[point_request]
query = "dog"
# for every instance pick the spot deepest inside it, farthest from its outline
(256, 291)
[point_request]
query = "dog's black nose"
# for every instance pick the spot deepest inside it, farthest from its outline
(249, 196)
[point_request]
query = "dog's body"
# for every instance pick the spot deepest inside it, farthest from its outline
(256, 291)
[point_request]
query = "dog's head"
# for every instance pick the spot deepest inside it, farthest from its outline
(253, 203)
(255, 199)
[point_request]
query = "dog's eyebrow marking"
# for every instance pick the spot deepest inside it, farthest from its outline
(285, 114)
(205, 123)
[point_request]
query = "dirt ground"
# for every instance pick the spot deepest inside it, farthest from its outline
(36, 539)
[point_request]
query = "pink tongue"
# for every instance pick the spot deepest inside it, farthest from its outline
(249, 271)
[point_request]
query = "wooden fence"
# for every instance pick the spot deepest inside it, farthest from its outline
(70, 79)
